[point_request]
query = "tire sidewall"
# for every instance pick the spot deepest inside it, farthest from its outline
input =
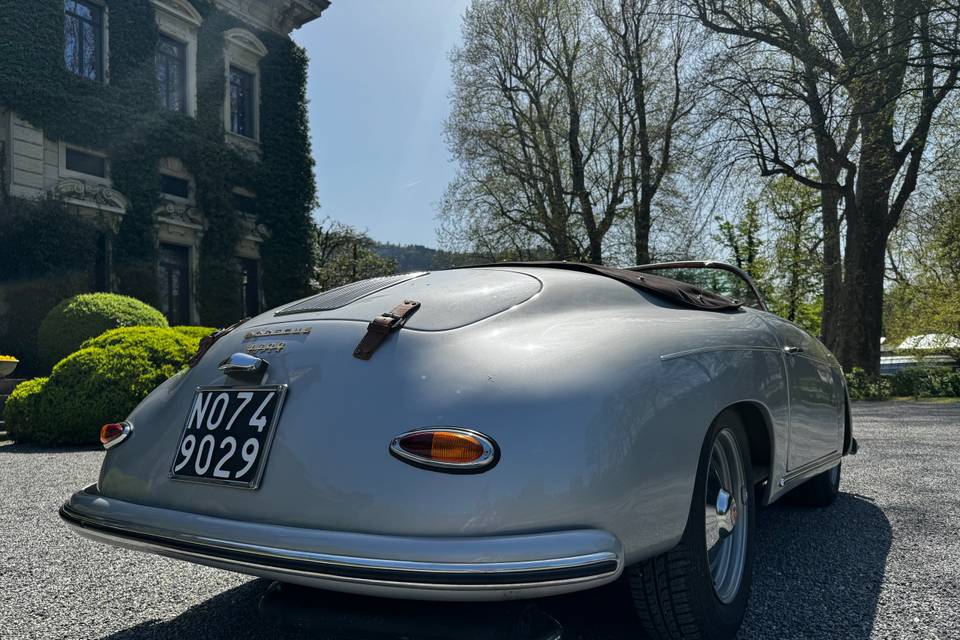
(718, 619)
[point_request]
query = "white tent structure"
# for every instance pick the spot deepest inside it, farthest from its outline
(930, 342)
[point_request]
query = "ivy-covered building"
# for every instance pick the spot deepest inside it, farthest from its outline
(178, 127)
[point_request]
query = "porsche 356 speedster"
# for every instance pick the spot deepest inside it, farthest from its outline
(500, 432)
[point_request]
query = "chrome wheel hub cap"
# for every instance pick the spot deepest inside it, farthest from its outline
(726, 515)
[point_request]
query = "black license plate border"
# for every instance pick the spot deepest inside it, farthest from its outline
(254, 482)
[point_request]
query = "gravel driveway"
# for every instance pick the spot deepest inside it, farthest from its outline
(883, 562)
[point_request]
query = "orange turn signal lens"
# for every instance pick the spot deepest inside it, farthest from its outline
(445, 448)
(114, 433)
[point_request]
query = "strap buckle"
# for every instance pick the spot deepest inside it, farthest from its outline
(382, 326)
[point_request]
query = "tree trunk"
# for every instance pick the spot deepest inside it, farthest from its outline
(641, 226)
(861, 318)
(832, 269)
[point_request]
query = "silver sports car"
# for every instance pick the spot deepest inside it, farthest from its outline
(507, 431)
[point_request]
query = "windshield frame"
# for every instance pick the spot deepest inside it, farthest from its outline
(707, 264)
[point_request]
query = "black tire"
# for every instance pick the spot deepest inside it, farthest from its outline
(673, 594)
(819, 491)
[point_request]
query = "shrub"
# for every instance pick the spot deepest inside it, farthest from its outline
(48, 254)
(863, 386)
(926, 382)
(195, 332)
(21, 411)
(88, 315)
(104, 381)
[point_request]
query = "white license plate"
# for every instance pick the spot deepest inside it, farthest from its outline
(228, 434)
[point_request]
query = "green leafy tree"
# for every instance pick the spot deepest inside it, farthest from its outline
(741, 237)
(926, 297)
(796, 283)
(344, 255)
(842, 97)
(777, 241)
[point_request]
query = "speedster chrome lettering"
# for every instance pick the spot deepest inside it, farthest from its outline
(265, 347)
(289, 331)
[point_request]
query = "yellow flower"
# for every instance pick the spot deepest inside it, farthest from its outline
(8, 359)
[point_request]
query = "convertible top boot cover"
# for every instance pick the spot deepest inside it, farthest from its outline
(673, 290)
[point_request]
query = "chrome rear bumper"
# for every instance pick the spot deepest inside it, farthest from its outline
(484, 568)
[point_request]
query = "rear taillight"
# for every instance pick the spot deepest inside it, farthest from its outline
(446, 448)
(114, 433)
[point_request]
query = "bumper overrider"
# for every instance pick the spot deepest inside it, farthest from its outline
(454, 568)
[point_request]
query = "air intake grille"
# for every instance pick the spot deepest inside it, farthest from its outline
(342, 296)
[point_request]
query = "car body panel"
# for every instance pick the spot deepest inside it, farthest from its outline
(599, 396)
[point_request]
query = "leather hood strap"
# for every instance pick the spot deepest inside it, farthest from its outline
(382, 326)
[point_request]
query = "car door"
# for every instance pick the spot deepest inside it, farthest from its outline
(815, 397)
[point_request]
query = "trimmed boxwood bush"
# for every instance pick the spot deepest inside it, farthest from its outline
(21, 412)
(100, 383)
(88, 315)
(195, 332)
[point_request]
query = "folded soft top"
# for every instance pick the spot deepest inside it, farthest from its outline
(673, 290)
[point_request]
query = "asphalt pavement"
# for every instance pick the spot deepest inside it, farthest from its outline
(882, 562)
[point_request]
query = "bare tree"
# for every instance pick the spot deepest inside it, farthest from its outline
(650, 46)
(561, 124)
(839, 96)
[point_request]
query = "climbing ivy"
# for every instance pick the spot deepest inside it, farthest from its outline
(123, 118)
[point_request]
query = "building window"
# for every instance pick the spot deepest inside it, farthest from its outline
(172, 74)
(242, 102)
(83, 35)
(87, 163)
(244, 204)
(175, 283)
(173, 186)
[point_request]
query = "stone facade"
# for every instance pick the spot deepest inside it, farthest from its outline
(33, 165)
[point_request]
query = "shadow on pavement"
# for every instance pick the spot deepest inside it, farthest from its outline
(12, 447)
(817, 573)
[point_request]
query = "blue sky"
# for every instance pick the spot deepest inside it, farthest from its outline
(378, 86)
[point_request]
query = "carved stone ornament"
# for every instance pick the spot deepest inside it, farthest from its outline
(98, 195)
(180, 213)
(251, 229)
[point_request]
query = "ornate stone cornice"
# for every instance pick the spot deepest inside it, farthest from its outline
(181, 214)
(280, 16)
(97, 196)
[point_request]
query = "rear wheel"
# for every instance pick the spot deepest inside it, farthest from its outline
(819, 491)
(699, 588)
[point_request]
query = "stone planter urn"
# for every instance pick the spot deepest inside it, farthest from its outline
(7, 365)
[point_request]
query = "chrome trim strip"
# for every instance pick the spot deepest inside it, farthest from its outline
(821, 463)
(712, 349)
(486, 458)
(413, 574)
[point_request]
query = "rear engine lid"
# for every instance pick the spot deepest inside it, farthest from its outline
(449, 299)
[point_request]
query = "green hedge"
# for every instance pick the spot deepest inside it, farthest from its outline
(917, 382)
(88, 315)
(926, 382)
(863, 386)
(102, 382)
